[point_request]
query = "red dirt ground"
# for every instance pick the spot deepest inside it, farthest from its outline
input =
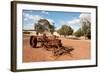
(81, 51)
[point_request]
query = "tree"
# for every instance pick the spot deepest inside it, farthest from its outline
(65, 30)
(52, 28)
(86, 25)
(39, 28)
(85, 28)
(78, 33)
(42, 25)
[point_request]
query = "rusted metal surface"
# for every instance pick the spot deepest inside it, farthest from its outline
(51, 43)
(63, 50)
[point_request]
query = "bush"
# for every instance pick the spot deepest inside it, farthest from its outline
(78, 33)
(65, 30)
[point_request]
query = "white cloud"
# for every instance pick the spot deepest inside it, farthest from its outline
(62, 22)
(28, 27)
(44, 12)
(25, 19)
(36, 17)
(74, 21)
(71, 22)
(32, 17)
(83, 16)
(28, 16)
(31, 25)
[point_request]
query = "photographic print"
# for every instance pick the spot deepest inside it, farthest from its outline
(53, 36)
(54, 33)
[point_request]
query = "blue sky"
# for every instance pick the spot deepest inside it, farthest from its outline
(30, 17)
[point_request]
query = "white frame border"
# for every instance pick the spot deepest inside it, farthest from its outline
(34, 65)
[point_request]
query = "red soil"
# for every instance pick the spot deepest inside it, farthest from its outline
(81, 50)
